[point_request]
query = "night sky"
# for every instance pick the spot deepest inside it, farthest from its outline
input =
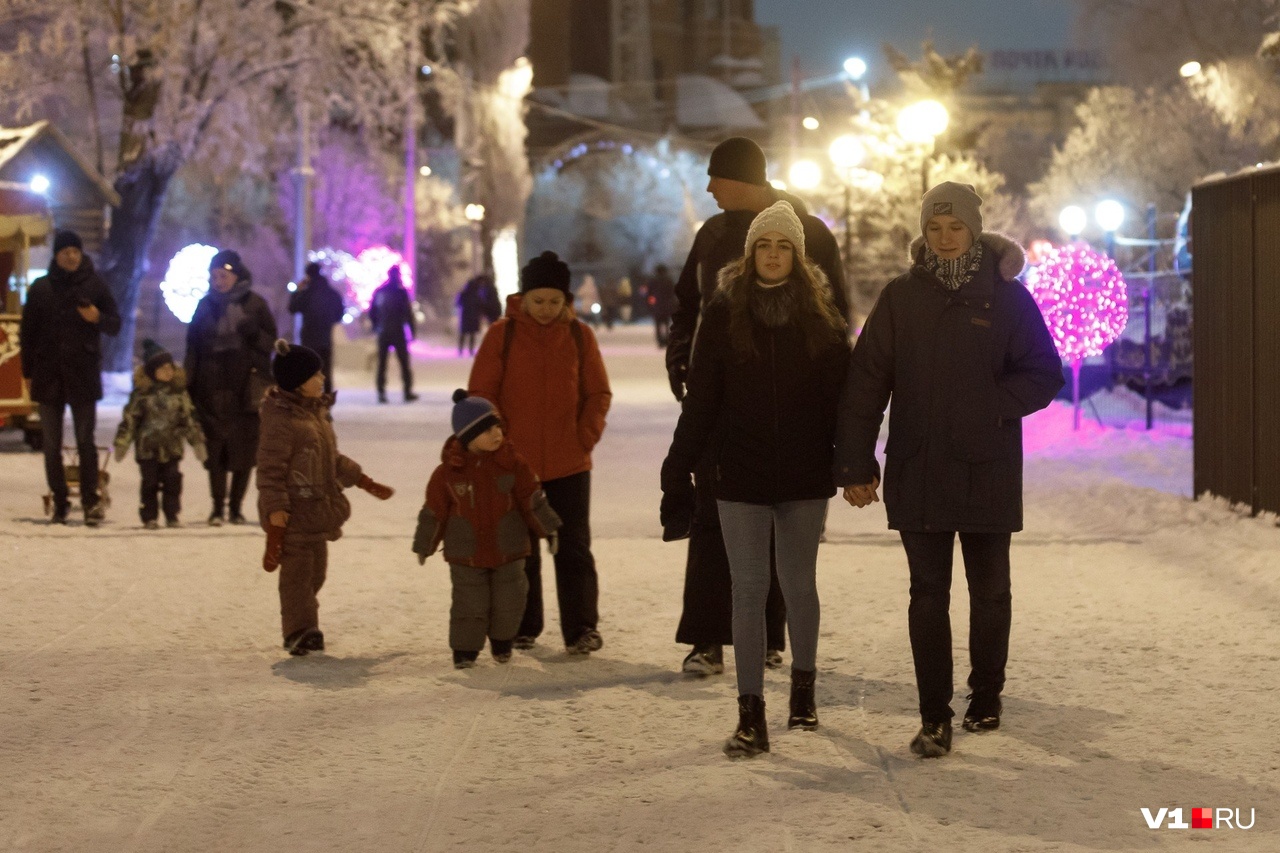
(824, 32)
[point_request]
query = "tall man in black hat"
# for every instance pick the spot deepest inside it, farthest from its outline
(741, 189)
(66, 314)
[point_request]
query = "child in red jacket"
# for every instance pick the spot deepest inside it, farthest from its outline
(482, 501)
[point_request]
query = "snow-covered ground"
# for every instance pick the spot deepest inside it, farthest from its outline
(147, 705)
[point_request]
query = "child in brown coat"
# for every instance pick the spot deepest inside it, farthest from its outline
(301, 476)
(482, 502)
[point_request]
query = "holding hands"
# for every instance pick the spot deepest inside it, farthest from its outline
(861, 496)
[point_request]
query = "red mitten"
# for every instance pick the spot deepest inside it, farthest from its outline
(376, 489)
(275, 544)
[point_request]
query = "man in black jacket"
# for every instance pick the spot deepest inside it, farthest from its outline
(321, 309)
(741, 189)
(65, 316)
(390, 311)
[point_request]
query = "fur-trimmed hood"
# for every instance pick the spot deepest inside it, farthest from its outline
(1011, 258)
(725, 278)
(144, 383)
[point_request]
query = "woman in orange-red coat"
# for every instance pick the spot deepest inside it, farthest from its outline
(542, 368)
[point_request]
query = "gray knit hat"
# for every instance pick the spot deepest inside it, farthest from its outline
(953, 199)
(781, 217)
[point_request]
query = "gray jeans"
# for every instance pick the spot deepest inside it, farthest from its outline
(796, 527)
(486, 603)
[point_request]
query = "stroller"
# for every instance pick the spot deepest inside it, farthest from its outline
(71, 463)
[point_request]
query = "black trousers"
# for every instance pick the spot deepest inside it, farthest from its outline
(707, 618)
(83, 419)
(402, 354)
(467, 340)
(326, 364)
(218, 488)
(986, 568)
(577, 584)
(157, 478)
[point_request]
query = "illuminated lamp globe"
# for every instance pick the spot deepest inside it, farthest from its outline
(1073, 219)
(805, 175)
(1109, 215)
(847, 152)
(855, 67)
(923, 121)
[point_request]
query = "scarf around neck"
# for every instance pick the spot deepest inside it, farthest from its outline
(954, 273)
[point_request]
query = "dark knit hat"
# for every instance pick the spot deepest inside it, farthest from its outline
(546, 270)
(472, 416)
(294, 365)
(738, 159)
(950, 198)
(66, 240)
(154, 357)
(311, 269)
(228, 259)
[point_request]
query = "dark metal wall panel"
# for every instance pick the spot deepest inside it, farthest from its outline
(1222, 291)
(1266, 340)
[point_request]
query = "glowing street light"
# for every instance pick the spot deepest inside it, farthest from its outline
(805, 174)
(855, 67)
(1190, 69)
(424, 171)
(923, 121)
(40, 184)
(1073, 220)
(811, 123)
(474, 212)
(846, 152)
(1109, 215)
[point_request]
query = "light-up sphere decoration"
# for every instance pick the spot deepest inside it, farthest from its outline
(360, 275)
(1083, 298)
(186, 280)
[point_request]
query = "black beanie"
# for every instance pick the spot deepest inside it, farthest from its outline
(472, 416)
(738, 159)
(154, 357)
(312, 269)
(294, 365)
(66, 239)
(228, 259)
(546, 270)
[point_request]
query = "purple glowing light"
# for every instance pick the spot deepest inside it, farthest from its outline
(362, 274)
(1083, 297)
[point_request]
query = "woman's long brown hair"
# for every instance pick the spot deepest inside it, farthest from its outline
(816, 313)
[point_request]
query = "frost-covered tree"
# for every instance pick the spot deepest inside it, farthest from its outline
(148, 85)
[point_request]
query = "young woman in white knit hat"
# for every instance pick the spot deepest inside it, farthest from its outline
(767, 367)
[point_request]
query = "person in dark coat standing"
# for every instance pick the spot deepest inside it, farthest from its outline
(662, 302)
(390, 311)
(66, 314)
(228, 367)
(477, 300)
(740, 187)
(961, 349)
(767, 371)
(321, 309)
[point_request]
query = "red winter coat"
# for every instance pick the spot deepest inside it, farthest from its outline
(554, 416)
(482, 507)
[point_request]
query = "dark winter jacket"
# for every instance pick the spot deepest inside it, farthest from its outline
(719, 241)
(159, 417)
(61, 351)
(300, 469)
(771, 418)
(477, 300)
(962, 368)
(482, 506)
(390, 311)
(229, 339)
(321, 309)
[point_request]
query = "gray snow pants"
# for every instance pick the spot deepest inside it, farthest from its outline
(486, 603)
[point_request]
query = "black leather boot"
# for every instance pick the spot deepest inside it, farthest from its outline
(752, 735)
(804, 711)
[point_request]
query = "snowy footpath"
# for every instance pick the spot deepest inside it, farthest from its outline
(146, 704)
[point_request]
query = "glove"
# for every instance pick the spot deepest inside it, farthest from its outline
(676, 375)
(275, 544)
(376, 489)
(553, 542)
(676, 510)
(424, 535)
(120, 452)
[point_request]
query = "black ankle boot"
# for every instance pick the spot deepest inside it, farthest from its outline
(804, 711)
(752, 735)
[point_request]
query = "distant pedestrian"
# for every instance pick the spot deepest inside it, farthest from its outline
(475, 302)
(391, 312)
(301, 476)
(662, 302)
(541, 367)
(961, 350)
(483, 504)
(158, 418)
(66, 314)
(321, 308)
(228, 368)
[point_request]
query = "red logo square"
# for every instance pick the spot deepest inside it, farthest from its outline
(1202, 818)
